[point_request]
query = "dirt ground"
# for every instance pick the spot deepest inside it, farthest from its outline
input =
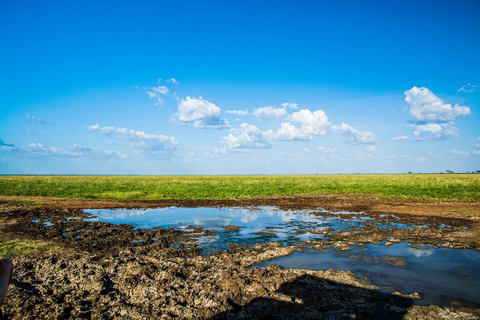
(103, 271)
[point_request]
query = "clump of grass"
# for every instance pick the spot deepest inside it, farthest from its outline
(19, 247)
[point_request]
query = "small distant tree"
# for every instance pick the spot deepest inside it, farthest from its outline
(449, 171)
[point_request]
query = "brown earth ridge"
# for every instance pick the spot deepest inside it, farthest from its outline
(98, 271)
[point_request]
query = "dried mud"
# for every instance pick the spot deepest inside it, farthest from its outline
(105, 271)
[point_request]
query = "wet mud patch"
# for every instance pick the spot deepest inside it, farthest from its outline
(114, 271)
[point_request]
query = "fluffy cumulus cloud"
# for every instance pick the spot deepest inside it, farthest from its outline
(311, 123)
(200, 112)
(246, 138)
(307, 124)
(287, 132)
(428, 113)
(138, 139)
(426, 107)
(269, 113)
(157, 93)
(354, 136)
(303, 125)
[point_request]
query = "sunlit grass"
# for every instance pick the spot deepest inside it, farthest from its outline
(427, 187)
(18, 247)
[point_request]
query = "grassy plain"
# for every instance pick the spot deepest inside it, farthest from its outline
(419, 187)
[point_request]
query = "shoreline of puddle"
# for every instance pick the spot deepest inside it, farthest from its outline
(425, 273)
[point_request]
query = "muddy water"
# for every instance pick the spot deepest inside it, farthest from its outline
(440, 276)
(253, 225)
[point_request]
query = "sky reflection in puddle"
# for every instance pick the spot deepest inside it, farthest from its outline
(257, 225)
(439, 275)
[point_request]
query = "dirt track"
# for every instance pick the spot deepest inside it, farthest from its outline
(98, 271)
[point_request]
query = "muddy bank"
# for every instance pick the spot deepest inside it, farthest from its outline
(105, 271)
(354, 203)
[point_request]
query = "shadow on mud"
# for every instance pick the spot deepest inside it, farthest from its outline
(310, 297)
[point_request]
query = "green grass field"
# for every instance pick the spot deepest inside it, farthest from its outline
(426, 187)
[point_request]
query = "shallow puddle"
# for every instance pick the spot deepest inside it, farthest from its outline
(440, 276)
(256, 225)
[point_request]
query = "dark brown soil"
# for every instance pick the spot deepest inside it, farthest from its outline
(105, 271)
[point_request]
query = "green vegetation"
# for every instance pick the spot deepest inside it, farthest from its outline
(426, 187)
(19, 247)
(25, 203)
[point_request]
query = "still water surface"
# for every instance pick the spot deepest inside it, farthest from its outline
(441, 276)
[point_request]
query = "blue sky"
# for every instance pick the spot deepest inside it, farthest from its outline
(247, 87)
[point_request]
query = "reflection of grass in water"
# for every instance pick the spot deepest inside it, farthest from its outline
(429, 187)
(19, 247)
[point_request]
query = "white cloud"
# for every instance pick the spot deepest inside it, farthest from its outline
(431, 127)
(37, 119)
(38, 148)
(371, 149)
(307, 151)
(201, 113)
(157, 92)
(429, 114)
(476, 152)
(325, 150)
(400, 138)
(287, 132)
(34, 150)
(173, 81)
(269, 113)
(290, 105)
(139, 139)
(240, 113)
(468, 87)
(315, 123)
(354, 136)
(427, 107)
(460, 153)
(103, 130)
(160, 90)
(440, 131)
(246, 138)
